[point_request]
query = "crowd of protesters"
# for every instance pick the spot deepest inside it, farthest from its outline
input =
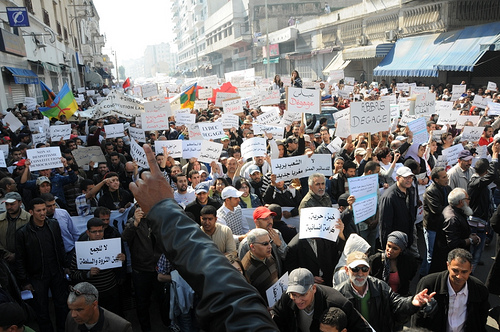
(365, 275)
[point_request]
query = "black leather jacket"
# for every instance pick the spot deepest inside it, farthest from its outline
(29, 256)
(228, 302)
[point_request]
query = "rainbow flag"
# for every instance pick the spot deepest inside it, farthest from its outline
(63, 104)
(48, 94)
(188, 97)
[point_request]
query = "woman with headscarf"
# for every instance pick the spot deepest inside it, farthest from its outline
(353, 243)
(395, 266)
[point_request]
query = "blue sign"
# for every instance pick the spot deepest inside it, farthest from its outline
(18, 17)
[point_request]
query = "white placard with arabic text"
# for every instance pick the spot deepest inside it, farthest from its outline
(99, 253)
(319, 222)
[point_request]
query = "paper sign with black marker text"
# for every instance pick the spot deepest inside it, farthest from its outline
(99, 253)
(319, 222)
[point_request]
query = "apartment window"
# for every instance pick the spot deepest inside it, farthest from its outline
(65, 34)
(29, 6)
(75, 42)
(59, 30)
(46, 18)
(230, 30)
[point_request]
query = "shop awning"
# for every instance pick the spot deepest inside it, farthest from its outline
(93, 78)
(426, 55)
(23, 76)
(337, 63)
(367, 52)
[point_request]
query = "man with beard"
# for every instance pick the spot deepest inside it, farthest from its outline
(374, 299)
(184, 194)
(456, 232)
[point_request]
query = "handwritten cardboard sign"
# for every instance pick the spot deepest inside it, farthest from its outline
(58, 132)
(364, 188)
(320, 163)
(13, 121)
(303, 100)
(319, 222)
(210, 151)
(230, 121)
(343, 129)
(443, 106)
(149, 90)
(450, 155)
(44, 158)
(3, 164)
(185, 119)
(137, 134)
(162, 105)
(205, 93)
(211, 130)
(277, 131)
(494, 108)
(36, 125)
(194, 132)
(38, 138)
(336, 75)
(275, 292)
(447, 118)
(425, 104)
(138, 154)
(191, 149)
(480, 101)
(492, 86)
(209, 81)
(406, 118)
(200, 104)
(457, 91)
(270, 117)
(114, 130)
(100, 253)
(84, 155)
(462, 119)
(221, 96)
(370, 116)
(253, 147)
(289, 118)
(174, 147)
(232, 106)
(270, 97)
(290, 168)
(154, 120)
(472, 134)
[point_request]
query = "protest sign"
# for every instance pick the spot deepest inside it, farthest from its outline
(58, 132)
(336, 75)
(270, 118)
(319, 163)
(30, 103)
(44, 158)
(99, 253)
(3, 164)
(36, 125)
(492, 86)
(370, 116)
(275, 292)
(402, 87)
(253, 147)
(81, 90)
(289, 168)
(13, 121)
(38, 138)
(232, 106)
(183, 111)
(472, 134)
(270, 97)
(405, 104)
(289, 118)
(343, 129)
(205, 93)
(174, 147)
(436, 134)
(191, 148)
(230, 121)
(349, 80)
(494, 108)
(185, 119)
(303, 101)
(443, 106)
(121, 104)
(211, 130)
(406, 118)
(462, 119)
(425, 104)
(246, 92)
(343, 114)
(194, 132)
(114, 130)
(319, 222)
(395, 113)
(365, 189)
(221, 96)
(158, 105)
(138, 154)
(137, 134)
(480, 101)
(450, 155)
(419, 129)
(154, 120)
(277, 131)
(149, 90)
(5, 149)
(419, 90)
(210, 151)
(457, 91)
(209, 81)
(85, 154)
(90, 93)
(200, 104)
(447, 118)
(335, 145)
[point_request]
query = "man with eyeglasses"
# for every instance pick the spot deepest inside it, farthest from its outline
(302, 306)
(384, 309)
(263, 218)
(258, 262)
(104, 280)
(87, 315)
(397, 207)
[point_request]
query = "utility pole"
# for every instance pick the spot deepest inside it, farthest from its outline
(267, 41)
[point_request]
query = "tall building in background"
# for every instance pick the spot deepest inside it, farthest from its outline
(159, 59)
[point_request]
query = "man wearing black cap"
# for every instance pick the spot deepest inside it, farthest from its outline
(202, 199)
(304, 302)
(13, 318)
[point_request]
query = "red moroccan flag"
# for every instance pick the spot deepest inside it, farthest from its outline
(126, 84)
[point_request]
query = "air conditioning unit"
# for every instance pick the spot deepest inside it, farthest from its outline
(362, 40)
(390, 35)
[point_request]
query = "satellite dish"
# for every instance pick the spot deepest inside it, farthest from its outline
(52, 39)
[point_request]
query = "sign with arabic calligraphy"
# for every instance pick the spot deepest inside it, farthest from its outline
(210, 151)
(274, 292)
(114, 130)
(100, 253)
(191, 148)
(289, 168)
(253, 147)
(364, 188)
(319, 222)
(174, 147)
(303, 100)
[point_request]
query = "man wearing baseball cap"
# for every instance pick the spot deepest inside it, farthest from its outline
(397, 207)
(230, 214)
(374, 298)
(202, 199)
(263, 218)
(460, 174)
(303, 304)
(10, 221)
